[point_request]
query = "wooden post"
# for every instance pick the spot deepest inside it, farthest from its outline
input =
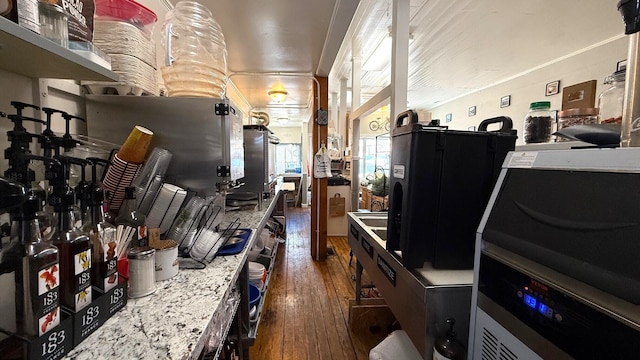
(319, 186)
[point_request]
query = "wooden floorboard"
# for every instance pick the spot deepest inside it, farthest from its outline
(306, 314)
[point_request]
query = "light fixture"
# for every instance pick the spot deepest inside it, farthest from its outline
(283, 120)
(278, 95)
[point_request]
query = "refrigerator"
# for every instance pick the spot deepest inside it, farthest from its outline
(205, 135)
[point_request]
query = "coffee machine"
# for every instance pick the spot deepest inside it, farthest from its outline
(440, 183)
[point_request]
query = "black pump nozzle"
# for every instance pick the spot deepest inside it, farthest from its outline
(32, 203)
(19, 105)
(12, 194)
(630, 11)
(97, 194)
(63, 198)
(49, 113)
(68, 142)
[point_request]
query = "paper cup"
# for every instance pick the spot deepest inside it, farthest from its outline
(135, 147)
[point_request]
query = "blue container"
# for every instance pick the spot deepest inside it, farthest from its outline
(254, 295)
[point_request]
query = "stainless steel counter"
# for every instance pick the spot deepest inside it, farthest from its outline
(420, 299)
(177, 321)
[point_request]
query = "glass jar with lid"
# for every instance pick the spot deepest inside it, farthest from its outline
(195, 52)
(572, 117)
(538, 123)
(611, 100)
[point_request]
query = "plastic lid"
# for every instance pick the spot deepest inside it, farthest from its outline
(578, 112)
(630, 9)
(617, 76)
(140, 253)
(126, 10)
(540, 105)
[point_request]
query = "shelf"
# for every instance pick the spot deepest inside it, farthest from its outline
(27, 53)
(253, 331)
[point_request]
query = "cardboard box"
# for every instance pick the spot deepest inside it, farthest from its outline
(579, 96)
(52, 345)
(104, 305)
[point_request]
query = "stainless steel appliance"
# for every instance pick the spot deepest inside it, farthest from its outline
(556, 273)
(420, 299)
(259, 159)
(204, 135)
(440, 183)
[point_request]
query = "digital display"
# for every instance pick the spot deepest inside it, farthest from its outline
(545, 310)
(530, 301)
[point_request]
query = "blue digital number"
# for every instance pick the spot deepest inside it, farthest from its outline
(545, 310)
(530, 301)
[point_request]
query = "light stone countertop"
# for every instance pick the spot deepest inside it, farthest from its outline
(177, 320)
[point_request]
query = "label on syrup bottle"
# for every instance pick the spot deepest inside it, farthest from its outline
(48, 311)
(82, 272)
(111, 266)
(143, 236)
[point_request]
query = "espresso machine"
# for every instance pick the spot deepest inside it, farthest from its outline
(440, 184)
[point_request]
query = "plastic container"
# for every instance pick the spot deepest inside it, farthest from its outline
(195, 52)
(257, 274)
(127, 11)
(572, 117)
(538, 123)
(142, 272)
(254, 295)
(611, 100)
(54, 23)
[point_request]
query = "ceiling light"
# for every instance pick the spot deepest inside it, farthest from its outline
(278, 95)
(283, 120)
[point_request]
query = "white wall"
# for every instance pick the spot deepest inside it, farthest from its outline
(593, 64)
(288, 135)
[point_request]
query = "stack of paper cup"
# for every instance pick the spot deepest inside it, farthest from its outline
(165, 207)
(125, 165)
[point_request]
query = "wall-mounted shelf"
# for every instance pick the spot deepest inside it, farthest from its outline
(27, 53)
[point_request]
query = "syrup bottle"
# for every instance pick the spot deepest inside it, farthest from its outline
(448, 347)
(29, 277)
(73, 246)
(102, 236)
(130, 217)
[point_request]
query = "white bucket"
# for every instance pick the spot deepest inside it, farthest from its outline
(167, 262)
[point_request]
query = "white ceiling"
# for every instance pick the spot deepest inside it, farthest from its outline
(458, 46)
(462, 46)
(283, 43)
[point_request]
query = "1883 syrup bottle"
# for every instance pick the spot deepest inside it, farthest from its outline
(129, 216)
(75, 251)
(104, 272)
(29, 278)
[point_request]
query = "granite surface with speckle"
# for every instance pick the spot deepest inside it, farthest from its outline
(178, 319)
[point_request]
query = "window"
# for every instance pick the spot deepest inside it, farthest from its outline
(288, 158)
(374, 153)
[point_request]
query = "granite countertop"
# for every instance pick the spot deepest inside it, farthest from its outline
(176, 321)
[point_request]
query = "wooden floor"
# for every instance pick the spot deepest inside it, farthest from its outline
(306, 314)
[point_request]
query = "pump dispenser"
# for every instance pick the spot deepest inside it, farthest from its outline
(73, 244)
(102, 235)
(20, 139)
(129, 216)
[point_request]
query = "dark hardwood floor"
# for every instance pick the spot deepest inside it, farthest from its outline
(306, 311)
